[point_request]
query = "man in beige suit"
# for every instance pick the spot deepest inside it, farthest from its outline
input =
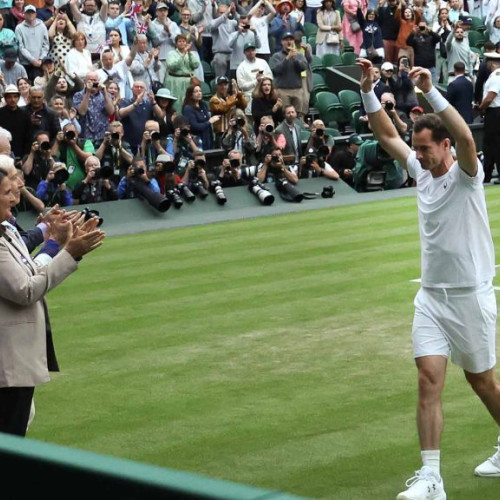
(26, 350)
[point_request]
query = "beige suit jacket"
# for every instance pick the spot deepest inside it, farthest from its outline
(323, 25)
(23, 285)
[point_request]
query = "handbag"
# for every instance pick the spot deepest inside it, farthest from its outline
(332, 38)
(355, 26)
(371, 53)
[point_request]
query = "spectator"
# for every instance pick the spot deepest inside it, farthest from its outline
(61, 36)
(245, 34)
(39, 161)
(182, 145)
(114, 152)
(287, 67)
(180, 63)
(94, 105)
(266, 102)
(250, 71)
(151, 144)
(387, 75)
(291, 132)
(10, 68)
(260, 20)
(91, 23)
(137, 172)
(268, 138)
(329, 29)
(424, 41)
(78, 59)
(494, 30)
(229, 173)
(299, 11)
(116, 21)
(390, 28)
(282, 23)
(196, 112)
(72, 151)
(33, 40)
(222, 103)
(490, 106)
(351, 29)
(443, 28)
(408, 19)
(306, 76)
(48, 68)
(96, 187)
(239, 136)
(16, 120)
(373, 46)
(458, 49)
(165, 31)
(58, 85)
(209, 12)
(483, 72)
(460, 92)
(343, 160)
(403, 87)
(193, 37)
(456, 11)
(47, 13)
(24, 85)
(144, 64)
(221, 28)
(119, 50)
(273, 167)
(41, 116)
(166, 112)
(8, 38)
(311, 11)
(116, 72)
(53, 190)
(58, 105)
(17, 14)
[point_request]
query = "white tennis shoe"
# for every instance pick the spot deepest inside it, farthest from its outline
(424, 485)
(491, 466)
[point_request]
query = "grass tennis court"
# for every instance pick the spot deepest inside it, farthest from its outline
(273, 352)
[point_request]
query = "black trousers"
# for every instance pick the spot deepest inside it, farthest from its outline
(490, 142)
(15, 405)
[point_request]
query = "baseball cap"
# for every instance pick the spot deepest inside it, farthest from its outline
(417, 109)
(10, 55)
(161, 5)
(11, 89)
(165, 93)
(387, 66)
(163, 158)
(29, 8)
(467, 20)
(355, 139)
(287, 34)
(222, 79)
(249, 45)
(47, 59)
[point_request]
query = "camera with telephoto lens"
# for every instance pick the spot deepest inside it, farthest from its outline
(328, 192)
(216, 187)
(288, 190)
(115, 136)
(70, 135)
(319, 132)
(198, 188)
(141, 187)
(155, 136)
(389, 106)
(173, 196)
(261, 192)
(185, 132)
(89, 214)
(269, 129)
(185, 192)
(249, 171)
(240, 122)
(200, 164)
(45, 146)
(61, 176)
(234, 163)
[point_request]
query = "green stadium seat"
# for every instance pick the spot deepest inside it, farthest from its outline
(350, 99)
(311, 40)
(304, 135)
(330, 109)
(332, 132)
(349, 58)
(310, 29)
(330, 60)
(359, 126)
(476, 38)
(477, 24)
(317, 63)
(208, 72)
(319, 83)
(206, 91)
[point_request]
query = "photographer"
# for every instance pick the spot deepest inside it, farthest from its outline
(151, 145)
(136, 172)
(314, 164)
(424, 40)
(69, 149)
(267, 138)
(114, 152)
(196, 170)
(182, 145)
(273, 167)
(318, 136)
(398, 118)
(239, 136)
(95, 188)
(343, 158)
(230, 171)
(38, 162)
(53, 190)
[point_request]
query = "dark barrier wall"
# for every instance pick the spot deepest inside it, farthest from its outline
(34, 468)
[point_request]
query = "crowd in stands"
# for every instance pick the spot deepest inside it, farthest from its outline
(98, 92)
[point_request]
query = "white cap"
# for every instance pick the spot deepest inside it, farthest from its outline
(387, 66)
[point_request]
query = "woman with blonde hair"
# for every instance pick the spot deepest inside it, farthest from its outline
(78, 59)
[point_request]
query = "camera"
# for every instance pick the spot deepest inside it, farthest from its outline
(246, 26)
(240, 122)
(269, 129)
(155, 136)
(289, 191)
(198, 188)
(138, 171)
(184, 132)
(311, 156)
(405, 62)
(261, 192)
(185, 192)
(45, 146)
(421, 28)
(88, 214)
(200, 164)
(216, 187)
(389, 106)
(70, 135)
(115, 136)
(169, 167)
(275, 159)
(173, 196)
(95, 85)
(319, 132)
(234, 163)
(250, 171)
(61, 176)
(327, 192)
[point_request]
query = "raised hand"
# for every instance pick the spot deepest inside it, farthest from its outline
(422, 78)
(366, 81)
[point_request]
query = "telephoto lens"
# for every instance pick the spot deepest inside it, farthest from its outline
(261, 192)
(269, 128)
(289, 191)
(186, 193)
(216, 187)
(198, 188)
(173, 196)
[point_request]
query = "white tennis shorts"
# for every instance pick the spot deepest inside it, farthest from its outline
(459, 322)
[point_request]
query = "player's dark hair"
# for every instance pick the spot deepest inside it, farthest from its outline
(434, 123)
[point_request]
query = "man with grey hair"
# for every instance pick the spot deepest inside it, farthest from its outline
(221, 28)
(41, 116)
(143, 63)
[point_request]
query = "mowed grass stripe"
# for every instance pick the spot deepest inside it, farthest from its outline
(273, 351)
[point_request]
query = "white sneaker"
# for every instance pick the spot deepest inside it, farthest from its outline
(491, 466)
(424, 485)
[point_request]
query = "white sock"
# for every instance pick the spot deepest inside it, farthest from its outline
(432, 458)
